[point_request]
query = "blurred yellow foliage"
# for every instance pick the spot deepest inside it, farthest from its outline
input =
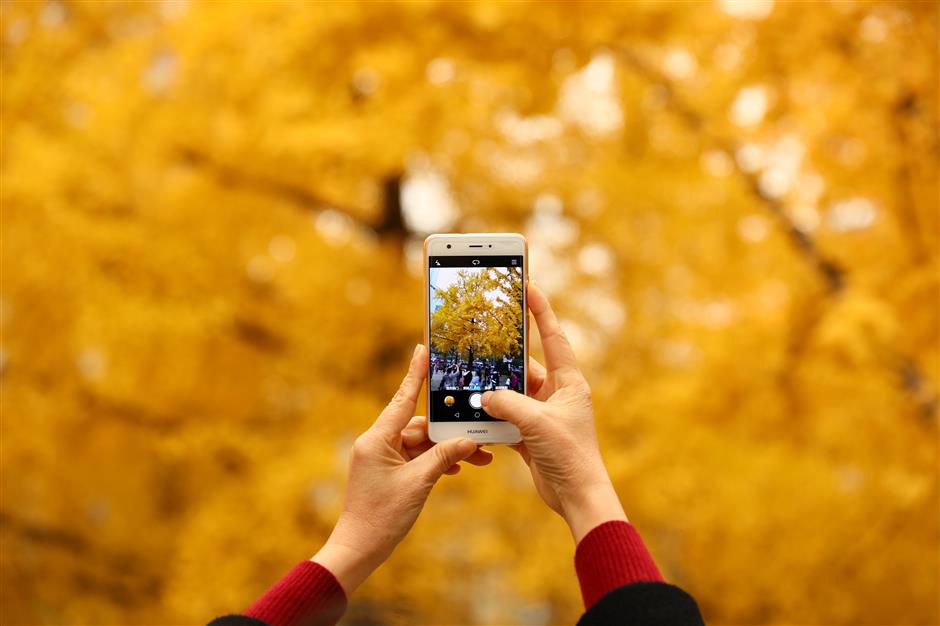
(212, 216)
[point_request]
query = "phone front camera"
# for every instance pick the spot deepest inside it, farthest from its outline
(448, 246)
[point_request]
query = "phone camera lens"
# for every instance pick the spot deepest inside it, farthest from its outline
(448, 246)
(491, 245)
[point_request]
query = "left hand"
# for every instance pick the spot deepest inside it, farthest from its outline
(392, 468)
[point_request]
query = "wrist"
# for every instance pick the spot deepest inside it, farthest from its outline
(348, 565)
(352, 552)
(591, 506)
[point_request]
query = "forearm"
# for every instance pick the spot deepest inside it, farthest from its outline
(308, 595)
(610, 553)
(350, 566)
(590, 506)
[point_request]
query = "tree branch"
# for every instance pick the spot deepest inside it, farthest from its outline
(832, 275)
(132, 581)
(389, 225)
(906, 107)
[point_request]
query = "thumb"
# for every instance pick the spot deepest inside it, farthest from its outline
(433, 463)
(512, 407)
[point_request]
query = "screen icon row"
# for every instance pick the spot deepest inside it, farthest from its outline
(475, 400)
(475, 414)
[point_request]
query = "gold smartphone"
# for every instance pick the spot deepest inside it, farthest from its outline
(475, 331)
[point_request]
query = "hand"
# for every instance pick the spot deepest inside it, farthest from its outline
(559, 443)
(392, 468)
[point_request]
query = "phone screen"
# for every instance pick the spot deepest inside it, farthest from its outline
(476, 334)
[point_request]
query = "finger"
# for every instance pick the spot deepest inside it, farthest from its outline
(528, 322)
(522, 450)
(535, 375)
(558, 352)
(441, 457)
(402, 406)
(480, 458)
(513, 407)
(416, 451)
(415, 433)
(453, 469)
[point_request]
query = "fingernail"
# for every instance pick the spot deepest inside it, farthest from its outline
(466, 447)
(486, 397)
(411, 432)
(415, 353)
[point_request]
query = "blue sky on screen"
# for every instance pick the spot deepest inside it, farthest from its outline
(443, 277)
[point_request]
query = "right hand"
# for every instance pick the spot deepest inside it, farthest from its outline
(559, 443)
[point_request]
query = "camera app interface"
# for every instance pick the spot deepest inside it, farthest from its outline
(476, 332)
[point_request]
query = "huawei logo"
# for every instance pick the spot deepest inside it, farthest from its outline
(477, 431)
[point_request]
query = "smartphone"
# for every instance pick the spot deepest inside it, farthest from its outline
(475, 331)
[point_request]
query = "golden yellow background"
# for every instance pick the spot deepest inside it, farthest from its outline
(212, 224)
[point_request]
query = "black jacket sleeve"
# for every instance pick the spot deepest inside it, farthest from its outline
(638, 604)
(236, 620)
(644, 604)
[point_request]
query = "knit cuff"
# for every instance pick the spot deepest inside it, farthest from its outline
(308, 595)
(610, 556)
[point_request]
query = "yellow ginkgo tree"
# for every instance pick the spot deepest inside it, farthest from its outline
(479, 314)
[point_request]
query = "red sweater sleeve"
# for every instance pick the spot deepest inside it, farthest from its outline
(308, 595)
(610, 556)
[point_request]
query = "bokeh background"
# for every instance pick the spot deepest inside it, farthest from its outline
(212, 220)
